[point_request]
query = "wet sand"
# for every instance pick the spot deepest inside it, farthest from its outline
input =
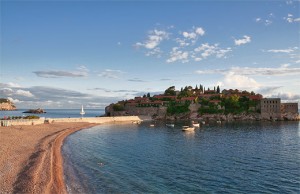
(30, 157)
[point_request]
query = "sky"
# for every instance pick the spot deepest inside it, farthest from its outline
(64, 54)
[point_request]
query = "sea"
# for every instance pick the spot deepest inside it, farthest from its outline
(236, 157)
(55, 113)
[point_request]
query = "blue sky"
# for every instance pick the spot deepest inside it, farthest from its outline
(61, 54)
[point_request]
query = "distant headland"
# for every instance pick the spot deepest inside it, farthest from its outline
(205, 104)
(6, 104)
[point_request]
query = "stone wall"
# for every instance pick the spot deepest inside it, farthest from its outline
(6, 123)
(132, 110)
(99, 120)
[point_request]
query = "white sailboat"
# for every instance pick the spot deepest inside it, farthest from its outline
(82, 111)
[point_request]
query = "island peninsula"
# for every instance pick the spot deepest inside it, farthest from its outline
(208, 104)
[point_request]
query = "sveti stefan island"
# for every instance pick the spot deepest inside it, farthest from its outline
(149, 97)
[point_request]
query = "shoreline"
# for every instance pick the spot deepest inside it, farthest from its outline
(31, 158)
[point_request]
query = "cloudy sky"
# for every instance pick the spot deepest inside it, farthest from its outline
(61, 54)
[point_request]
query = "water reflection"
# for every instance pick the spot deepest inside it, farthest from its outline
(189, 134)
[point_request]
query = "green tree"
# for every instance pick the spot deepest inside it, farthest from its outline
(170, 91)
(118, 107)
(201, 88)
(218, 89)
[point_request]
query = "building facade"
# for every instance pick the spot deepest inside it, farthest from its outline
(270, 108)
(289, 108)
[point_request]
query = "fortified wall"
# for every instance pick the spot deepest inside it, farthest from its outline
(145, 111)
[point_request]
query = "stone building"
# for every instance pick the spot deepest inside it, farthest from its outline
(289, 108)
(270, 108)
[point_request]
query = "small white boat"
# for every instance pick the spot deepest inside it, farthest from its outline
(136, 122)
(188, 128)
(170, 125)
(203, 122)
(196, 124)
(219, 122)
(82, 111)
(151, 125)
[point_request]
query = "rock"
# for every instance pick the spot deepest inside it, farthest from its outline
(35, 111)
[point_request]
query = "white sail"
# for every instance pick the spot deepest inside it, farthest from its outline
(82, 111)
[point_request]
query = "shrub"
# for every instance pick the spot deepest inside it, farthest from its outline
(31, 117)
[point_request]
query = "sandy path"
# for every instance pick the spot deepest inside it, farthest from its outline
(30, 157)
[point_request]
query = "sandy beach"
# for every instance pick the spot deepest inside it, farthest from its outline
(30, 157)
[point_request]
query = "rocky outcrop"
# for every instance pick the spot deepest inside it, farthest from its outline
(291, 116)
(232, 117)
(6, 104)
(35, 111)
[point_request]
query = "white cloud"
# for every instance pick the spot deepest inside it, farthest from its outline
(24, 93)
(284, 70)
(189, 38)
(233, 80)
(110, 73)
(191, 35)
(83, 68)
(206, 50)
(288, 96)
(297, 20)
(155, 37)
(289, 50)
(154, 52)
(194, 33)
(285, 65)
(178, 55)
(182, 42)
(290, 18)
(9, 85)
(14, 100)
(268, 22)
(258, 19)
(246, 39)
(81, 71)
(200, 31)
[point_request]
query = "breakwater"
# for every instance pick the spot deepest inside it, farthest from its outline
(98, 120)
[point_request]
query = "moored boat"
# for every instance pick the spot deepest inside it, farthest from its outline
(196, 124)
(170, 125)
(188, 128)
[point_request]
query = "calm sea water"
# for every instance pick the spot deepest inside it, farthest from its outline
(258, 157)
(55, 113)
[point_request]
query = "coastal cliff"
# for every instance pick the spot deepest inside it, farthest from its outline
(6, 104)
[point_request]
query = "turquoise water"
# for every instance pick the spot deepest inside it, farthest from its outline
(258, 157)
